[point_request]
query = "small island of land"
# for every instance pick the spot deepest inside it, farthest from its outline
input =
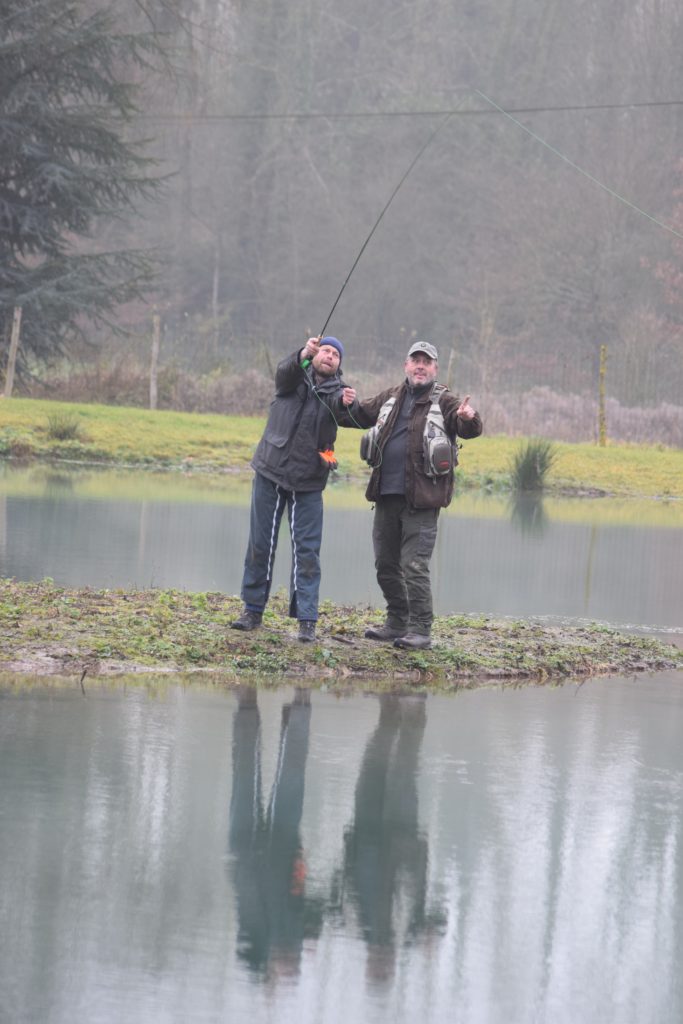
(50, 630)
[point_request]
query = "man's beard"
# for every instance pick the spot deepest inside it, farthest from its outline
(325, 371)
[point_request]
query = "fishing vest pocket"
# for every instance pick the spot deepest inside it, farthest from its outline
(440, 453)
(370, 449)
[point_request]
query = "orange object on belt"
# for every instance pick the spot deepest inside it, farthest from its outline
(329, 457)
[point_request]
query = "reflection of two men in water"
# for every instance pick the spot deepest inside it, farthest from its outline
(382, 881)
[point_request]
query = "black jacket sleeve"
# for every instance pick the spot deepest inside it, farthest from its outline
(289, 374)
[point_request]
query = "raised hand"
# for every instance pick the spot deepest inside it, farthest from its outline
(348, 396)
(465, 410)
(311, 349)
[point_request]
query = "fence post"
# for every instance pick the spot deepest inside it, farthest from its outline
(449, 371)
(13, 349)
(156, 338)
(602, 419)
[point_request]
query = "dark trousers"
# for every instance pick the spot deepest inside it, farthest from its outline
(403, 540)
(305, 514)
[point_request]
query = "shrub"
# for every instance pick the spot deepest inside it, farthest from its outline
(63, 427)
(530, 464)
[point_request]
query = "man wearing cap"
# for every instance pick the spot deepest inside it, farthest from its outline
(292, 463)
(407, 491)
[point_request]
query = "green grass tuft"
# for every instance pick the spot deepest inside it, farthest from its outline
(531, 463)
(64, 426)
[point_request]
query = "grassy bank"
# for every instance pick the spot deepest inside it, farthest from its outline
(41, 480)
(112, 435)
(50, 630)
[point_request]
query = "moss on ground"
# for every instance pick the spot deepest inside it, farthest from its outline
(46, 629)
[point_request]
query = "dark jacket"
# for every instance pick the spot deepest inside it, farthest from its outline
(421, 491)
(300, 425)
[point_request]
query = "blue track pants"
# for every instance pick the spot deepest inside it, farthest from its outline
(305, 514)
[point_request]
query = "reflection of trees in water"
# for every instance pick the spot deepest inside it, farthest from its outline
(589, 569)
(563, 894)
(384, 876)
(560, 854)
(269, 868)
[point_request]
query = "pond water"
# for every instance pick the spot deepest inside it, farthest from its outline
(616, 562)
(174, 853)
(178, 852)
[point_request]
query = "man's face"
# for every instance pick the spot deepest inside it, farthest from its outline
(420, 369)
(327, 360)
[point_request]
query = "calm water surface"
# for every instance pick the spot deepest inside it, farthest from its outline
(172, 854)
(523, 564)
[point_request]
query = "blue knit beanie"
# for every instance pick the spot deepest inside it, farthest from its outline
(334, 343)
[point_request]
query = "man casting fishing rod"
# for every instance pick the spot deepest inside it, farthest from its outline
(293, 460)
(412, 450)
(292, 463)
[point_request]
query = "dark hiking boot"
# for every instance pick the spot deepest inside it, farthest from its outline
(386, 633)
(414, 642)
(306, 631)
(247, 621)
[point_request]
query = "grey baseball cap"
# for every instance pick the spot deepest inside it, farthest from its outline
(426, 348)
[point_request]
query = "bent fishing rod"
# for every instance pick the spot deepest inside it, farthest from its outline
(306, 363)
(423, 147)
(388, 203)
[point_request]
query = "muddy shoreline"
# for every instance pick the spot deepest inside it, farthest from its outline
(46, 630)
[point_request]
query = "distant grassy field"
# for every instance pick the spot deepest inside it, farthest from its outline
(112, 435)
(127, 436)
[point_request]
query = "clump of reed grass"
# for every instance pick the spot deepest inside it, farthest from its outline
(63, 426)
(531, 463)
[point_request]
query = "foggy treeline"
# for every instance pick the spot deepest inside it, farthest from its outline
(290, 122)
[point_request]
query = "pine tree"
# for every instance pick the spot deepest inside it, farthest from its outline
(67, 98)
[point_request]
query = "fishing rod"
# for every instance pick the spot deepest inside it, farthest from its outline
(307, 362)
(364, 246)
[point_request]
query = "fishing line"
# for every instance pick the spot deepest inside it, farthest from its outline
(308, 374)
(534, 135)
(586, 174)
